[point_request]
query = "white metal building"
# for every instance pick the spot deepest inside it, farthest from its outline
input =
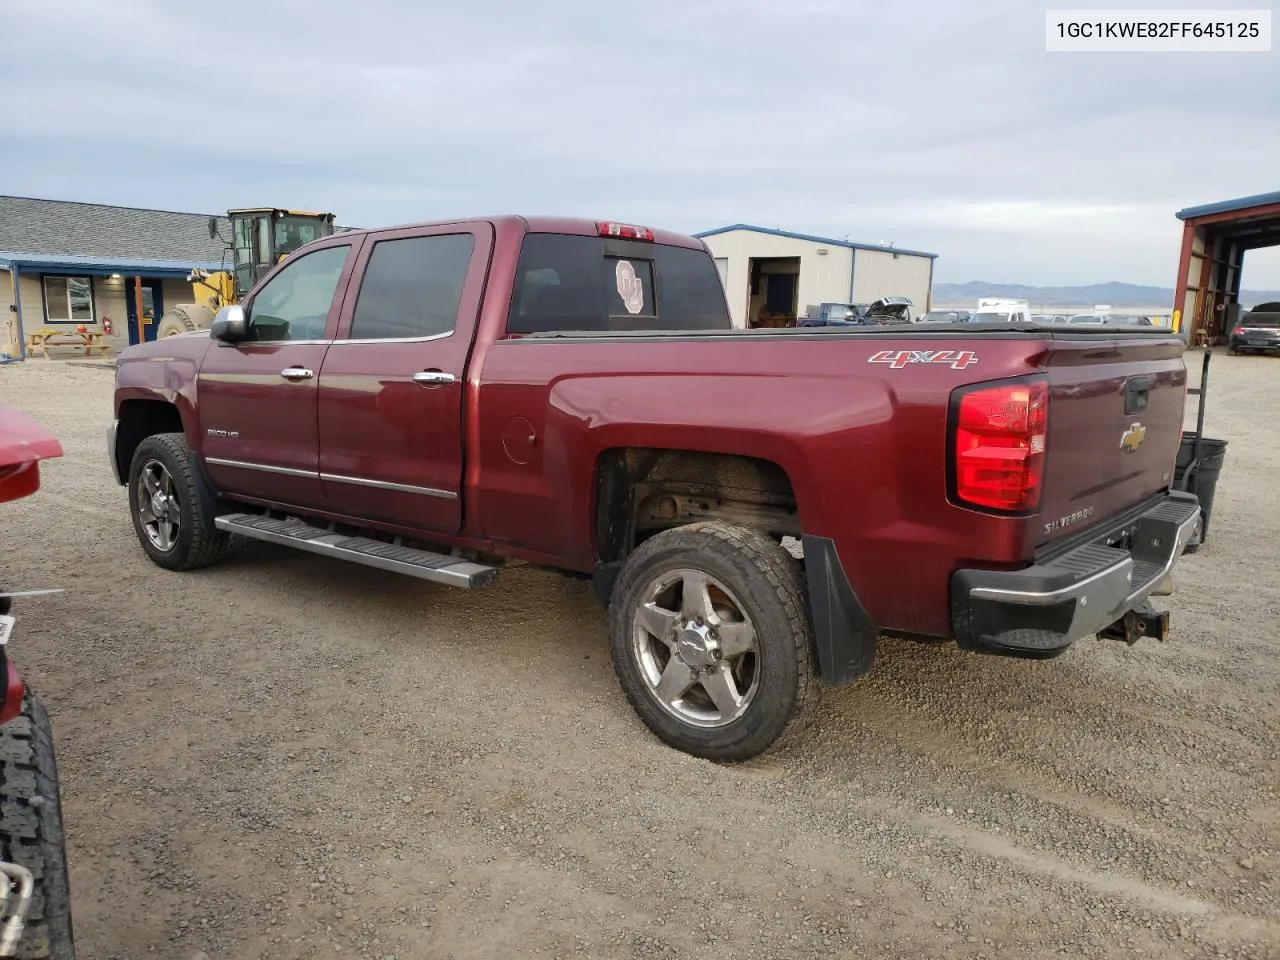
(772, 275)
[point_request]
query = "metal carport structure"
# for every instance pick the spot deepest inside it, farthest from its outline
(1215, 238)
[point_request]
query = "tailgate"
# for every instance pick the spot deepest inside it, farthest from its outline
(1115, 421)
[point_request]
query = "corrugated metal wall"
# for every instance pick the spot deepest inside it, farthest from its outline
(877, 274)
(823, 277)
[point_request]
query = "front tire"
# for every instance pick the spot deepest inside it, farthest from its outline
(172, 508)
(31, 831)
(711, 640)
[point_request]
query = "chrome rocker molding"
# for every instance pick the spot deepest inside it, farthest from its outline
(331, 477)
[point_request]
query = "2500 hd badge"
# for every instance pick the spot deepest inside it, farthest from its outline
(1070, 520)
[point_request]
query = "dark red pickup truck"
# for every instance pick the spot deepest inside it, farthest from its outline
(442, 399)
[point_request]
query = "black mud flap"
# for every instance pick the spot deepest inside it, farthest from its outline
(843, 632)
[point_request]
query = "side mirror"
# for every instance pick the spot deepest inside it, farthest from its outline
(231, 324)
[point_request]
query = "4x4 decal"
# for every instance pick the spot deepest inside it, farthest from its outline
(897, 359)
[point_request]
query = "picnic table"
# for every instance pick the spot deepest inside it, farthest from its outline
(48, 337)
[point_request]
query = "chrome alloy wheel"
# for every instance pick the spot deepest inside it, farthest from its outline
(157, 505)
(696, 648)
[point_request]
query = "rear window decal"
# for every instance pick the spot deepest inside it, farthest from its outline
(630, 289)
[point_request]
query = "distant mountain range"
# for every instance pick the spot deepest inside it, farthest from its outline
(1114, 293)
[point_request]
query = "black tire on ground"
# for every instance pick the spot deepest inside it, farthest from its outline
(31, 830)
(769, 586)
(198, 542)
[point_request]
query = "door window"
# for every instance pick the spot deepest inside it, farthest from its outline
(294, 304)
(411, 287)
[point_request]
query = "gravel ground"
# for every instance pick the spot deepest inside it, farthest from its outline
(290, 757)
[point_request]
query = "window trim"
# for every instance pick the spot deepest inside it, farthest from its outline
(353, 246)
(44, 297)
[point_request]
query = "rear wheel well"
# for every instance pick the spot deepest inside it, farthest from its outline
(641, 491)
(140, 419)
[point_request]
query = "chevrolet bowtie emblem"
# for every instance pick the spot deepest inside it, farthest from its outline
(1132, 438)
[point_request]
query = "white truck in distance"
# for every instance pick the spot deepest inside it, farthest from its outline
(999, 310)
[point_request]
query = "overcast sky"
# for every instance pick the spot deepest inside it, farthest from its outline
(941, 126)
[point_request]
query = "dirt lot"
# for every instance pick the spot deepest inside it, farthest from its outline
(289, 757)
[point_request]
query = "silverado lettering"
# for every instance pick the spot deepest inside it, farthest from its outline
(438, 400)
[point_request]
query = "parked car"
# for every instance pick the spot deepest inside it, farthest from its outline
(35, 893)
(1094, 319)
(878, 312)
(1048, 318)
(437, 400)
(1258, 330)
(946, 316)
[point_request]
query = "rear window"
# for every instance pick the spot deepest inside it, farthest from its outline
(593, 284)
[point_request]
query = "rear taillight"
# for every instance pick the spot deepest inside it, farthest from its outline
(627, 231)
(998, 445)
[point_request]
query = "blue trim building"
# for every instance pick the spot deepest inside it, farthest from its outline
(66, 264)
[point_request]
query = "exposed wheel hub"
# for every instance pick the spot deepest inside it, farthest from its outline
(697, 647)
(160, 504)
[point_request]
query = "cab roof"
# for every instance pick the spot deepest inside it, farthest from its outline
(576, 226)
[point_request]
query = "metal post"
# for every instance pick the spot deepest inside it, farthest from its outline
(17, 310)
(137, 307)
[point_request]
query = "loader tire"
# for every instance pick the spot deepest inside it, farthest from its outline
(31, 830)
(184, 318)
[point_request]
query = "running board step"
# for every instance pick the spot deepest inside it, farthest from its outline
(436, 567)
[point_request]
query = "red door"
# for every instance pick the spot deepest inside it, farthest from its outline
(257, 398)
(391, 386)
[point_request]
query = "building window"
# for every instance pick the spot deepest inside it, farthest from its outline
(68, 299)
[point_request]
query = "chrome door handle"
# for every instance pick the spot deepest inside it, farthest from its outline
(296, 373)
(433, 376)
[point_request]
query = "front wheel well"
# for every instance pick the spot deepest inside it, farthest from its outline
(139, 419)
(641, 491)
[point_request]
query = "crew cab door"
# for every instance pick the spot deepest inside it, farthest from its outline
(392, 383)
(257, 397)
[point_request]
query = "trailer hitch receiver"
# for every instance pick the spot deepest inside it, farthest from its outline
(1142, 621)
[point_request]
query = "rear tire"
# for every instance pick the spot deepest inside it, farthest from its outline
(172, 507)
(31, 830)
(740, 680)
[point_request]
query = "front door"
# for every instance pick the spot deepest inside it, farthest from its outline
(257, 397)
(152, 296)
(391, 388)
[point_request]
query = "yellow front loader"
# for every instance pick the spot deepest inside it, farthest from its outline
(260, 238)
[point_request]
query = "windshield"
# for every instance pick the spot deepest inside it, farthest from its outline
(945, 316)
(293, 232)
(1261, 320)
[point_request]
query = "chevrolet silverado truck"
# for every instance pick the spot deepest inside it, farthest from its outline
(445, 399)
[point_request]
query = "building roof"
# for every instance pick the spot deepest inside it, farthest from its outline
(93, 230)
(102, 266)
(826, 241)
(1230, 206)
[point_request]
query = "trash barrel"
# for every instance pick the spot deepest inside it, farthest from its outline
(1205, 478)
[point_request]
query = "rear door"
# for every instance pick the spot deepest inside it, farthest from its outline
(1115, 422)
(392, 385)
